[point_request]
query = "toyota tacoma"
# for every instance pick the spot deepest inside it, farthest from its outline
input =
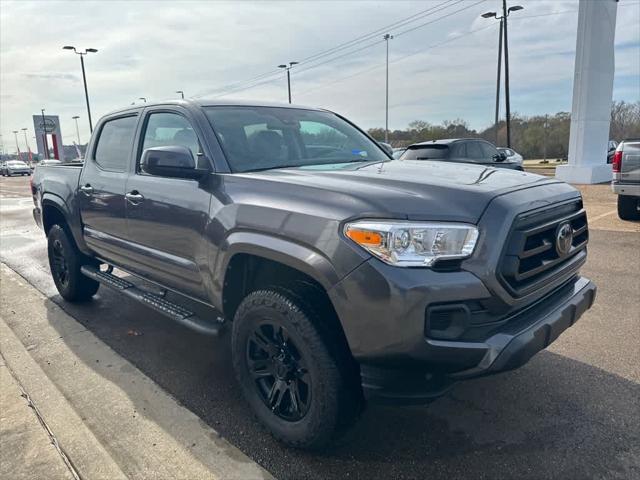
(342, 275)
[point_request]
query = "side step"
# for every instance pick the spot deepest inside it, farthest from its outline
(172, 310)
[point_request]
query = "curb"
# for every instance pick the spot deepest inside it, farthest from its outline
(109, 419)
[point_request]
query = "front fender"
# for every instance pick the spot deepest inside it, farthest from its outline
(302, 258)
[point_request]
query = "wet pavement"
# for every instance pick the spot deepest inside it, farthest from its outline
(572, 412)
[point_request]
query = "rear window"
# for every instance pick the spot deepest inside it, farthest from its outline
(426, 152)
(114, 143)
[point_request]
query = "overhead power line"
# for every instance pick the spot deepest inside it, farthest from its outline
(237, 86)
(350, 52)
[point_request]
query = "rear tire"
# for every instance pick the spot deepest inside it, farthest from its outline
(628, 207)
(300, 387)
(65, 261)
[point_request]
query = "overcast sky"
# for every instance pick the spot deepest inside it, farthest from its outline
(438, 71)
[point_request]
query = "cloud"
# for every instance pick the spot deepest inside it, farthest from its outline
(437, 72)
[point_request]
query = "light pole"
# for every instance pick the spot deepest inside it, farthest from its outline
(503, 26)
(15, 132)
(287, 68)
(26, 143)
(386, 38)
(45, 143)
(76, 117)
(181, 93)
(84, 77)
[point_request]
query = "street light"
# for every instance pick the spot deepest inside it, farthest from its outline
(143, 99)
(503, 26)
(26, 143)
(287, 68)
(15, 132)
(386, 38)
(181, 93)
(76, 117)
(84, 77)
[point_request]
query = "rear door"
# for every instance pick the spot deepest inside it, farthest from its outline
(101, 187)
(166, 216)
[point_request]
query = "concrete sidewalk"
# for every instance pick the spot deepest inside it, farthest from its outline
(28, 450)
(73, 408)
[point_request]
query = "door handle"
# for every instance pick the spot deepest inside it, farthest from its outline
(134, 197)
(86, 189)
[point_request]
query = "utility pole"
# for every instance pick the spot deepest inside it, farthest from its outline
(544, 138)
(386, 38)
(506, 73)
(497, 116)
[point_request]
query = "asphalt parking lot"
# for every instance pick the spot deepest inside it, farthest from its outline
(572, 412)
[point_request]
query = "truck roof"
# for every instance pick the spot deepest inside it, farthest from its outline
(191, 103)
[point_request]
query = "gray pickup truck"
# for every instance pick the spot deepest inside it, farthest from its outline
(626, 179)
(343, 275)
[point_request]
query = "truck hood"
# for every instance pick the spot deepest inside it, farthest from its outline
(415, 190)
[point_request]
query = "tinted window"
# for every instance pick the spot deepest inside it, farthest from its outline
(426, 152)
(488, 150)
(474, 151)
(170, 129)
(114, 143)
(459, 150)
(259, 138)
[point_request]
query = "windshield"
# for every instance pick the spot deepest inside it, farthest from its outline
(262, 138)
(425, 152)
(16, 163)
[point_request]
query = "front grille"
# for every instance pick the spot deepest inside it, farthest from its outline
(532, 256)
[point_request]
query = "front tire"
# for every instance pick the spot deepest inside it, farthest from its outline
(628, 207)
(65, 261)
(299, 386)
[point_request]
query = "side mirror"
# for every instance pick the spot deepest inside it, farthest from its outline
(170, 161)
(387, 148)
(500, 157)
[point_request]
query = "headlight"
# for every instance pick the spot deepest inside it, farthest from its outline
(413, 244)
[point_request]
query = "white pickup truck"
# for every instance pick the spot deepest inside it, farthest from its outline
(626, 179)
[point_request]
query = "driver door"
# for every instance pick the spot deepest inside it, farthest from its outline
(166, 217)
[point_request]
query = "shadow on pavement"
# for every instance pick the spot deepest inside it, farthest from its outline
(554, 418)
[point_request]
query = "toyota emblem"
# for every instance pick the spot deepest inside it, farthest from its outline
(564, 239)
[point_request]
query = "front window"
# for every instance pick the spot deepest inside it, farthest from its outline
(262, 138)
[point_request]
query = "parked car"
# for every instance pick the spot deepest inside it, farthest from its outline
(343, 276)
(397, 152)
(626, 179)
(460, 150)
(50, 161)
(15, 167)
(512, 155)
(611, 150)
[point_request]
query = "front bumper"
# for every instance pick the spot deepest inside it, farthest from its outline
(507, 348)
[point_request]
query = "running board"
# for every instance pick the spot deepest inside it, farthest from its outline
(161, 305)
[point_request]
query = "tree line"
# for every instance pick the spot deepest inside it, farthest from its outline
(537, 136)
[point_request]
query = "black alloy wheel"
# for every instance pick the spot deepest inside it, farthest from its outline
(279, 371)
